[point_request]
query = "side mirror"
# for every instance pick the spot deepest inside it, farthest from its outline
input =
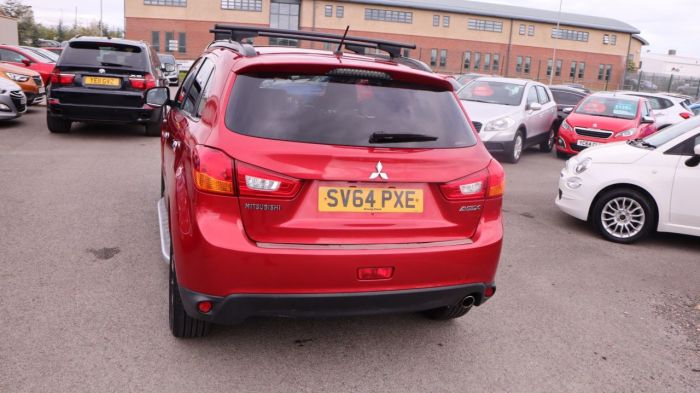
(535, 106)
(568, 110)
(694, 161)
(648, 120)
(697, 150)
(158, 97)
(26, 62)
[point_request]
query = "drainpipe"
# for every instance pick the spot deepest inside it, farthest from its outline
(627, 59)
(313, 18)
(510, 44)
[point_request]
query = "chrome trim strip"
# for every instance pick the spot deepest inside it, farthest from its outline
(603, 134)
(164, 226)
(398, 246)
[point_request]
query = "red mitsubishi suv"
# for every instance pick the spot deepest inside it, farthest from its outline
(304, 183)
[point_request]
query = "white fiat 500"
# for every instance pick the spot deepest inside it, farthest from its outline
(628, 189)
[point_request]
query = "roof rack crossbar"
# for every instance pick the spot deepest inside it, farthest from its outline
(240, 33)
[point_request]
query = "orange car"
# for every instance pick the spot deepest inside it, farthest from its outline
(30, 81)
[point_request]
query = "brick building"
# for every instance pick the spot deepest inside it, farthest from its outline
(452, 36)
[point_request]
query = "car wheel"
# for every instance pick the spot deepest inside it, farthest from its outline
(623, 215)
(451, 312)
(548, 145)
(516, 150)
(181, 324)
(58, 125)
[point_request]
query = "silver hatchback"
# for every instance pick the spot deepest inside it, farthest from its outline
(511, 114)
(13, 102)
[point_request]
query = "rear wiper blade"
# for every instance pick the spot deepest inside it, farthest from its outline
(381, 137)
(108, 64)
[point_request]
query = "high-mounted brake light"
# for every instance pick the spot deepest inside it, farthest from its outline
(487, 183)
(213, 171)
(142, 83)
(258, 182)
(59, 78)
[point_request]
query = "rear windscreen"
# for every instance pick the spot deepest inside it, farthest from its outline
(104, 54)
(345, 111)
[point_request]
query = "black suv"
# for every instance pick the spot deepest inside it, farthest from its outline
(100, 79)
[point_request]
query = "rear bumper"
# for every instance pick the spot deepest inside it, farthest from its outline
(236, 308)
(499, 147)
(106, 114)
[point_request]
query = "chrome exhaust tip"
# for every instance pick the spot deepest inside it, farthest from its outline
(467, 302)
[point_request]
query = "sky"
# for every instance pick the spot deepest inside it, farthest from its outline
(671, 26)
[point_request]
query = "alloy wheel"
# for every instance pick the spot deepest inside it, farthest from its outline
(623, 217)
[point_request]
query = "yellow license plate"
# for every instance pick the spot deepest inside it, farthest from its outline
(102, 81)
(369, 200)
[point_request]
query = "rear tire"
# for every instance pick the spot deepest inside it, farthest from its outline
(57, 125)
(516, 150)
(548, 145)
(623, 215)
(181, 324)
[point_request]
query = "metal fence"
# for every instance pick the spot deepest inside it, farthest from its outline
(666, 83)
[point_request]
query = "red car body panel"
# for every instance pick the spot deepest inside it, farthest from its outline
(616, 125)
(222, 248)
(44, 69)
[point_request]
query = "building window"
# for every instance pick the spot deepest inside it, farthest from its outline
(485, 25)
(339, 11)
(613, 39)
(242, 5)
(519, 64)
(571, 35)
(436, 20)
(467, 60)
(528, 64)
(572, 72)
(182, 43)
(169, 36)
(496, 63)
(581, 70)
(531, 30)
(601, 72)
(170, 3)
(606, 39)
(329, 11)
(487, 61)
(388, 15)
(284, 16)
(445, 21)
(521, 31)
(443, 58)
(155, 40)
(549, 67)
(433, 57)
(477, 61)
(327, 46)
(558, 70)
(406, 52)
(608, 72)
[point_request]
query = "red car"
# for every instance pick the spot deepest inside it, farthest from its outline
(306, 183)
(21, 57)
(604, 118)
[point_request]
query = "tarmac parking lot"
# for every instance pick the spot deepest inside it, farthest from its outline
(83, 296)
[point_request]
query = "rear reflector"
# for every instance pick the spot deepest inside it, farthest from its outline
(375, 273)
(490, 291)
(212, 171)
(204, 307)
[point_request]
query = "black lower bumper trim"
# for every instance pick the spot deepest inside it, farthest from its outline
(236, 308)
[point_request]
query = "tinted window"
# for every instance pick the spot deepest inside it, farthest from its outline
(542, 94)
(668, 134)
(565, 98)
(616, 107)
(105, 54)
(194, 93)
(344, 111)
(491, 92)
(187, 83)
(532, 96)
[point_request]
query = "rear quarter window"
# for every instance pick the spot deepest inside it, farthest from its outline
(105, 54)
(344, 111)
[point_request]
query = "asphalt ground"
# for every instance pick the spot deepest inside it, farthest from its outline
(83, 296)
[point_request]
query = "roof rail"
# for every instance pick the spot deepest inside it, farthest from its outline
(239, 33)
(244, 49)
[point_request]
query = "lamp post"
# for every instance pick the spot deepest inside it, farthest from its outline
(557, 36)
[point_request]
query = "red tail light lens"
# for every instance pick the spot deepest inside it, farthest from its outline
(213, 171)
(375, 273)
(143, 83)
(258, 182)
(685, 115)
(58, 78)
(487, 183)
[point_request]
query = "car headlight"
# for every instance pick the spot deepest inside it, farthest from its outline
(501, 124)
(626, 133)
(565, 125)
(583, 166)
(17, 77)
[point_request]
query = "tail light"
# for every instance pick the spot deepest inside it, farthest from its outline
(487, 183)
(685, 115)
(213, 171)
(59, 78)
(258, 182)
(142, 83)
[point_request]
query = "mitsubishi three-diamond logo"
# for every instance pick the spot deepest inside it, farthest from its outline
(379, 173)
